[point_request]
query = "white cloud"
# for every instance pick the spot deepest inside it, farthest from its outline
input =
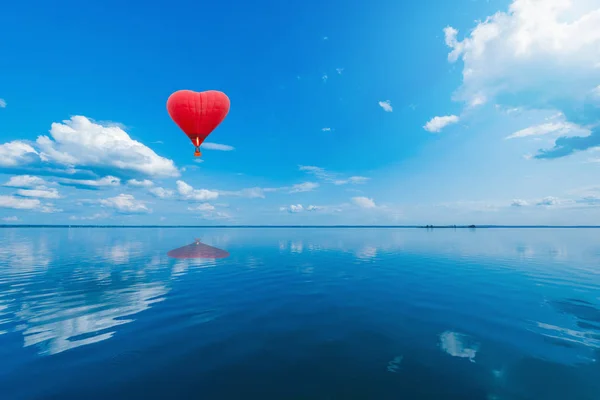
(331, 177)
(436, 124)
(549, 201)
(250, 193)
(81, 142)
(521, 49)
(339, 70)
(25, 181)
(557, 128)
(40, 192)
(19, 203)
(364, 202)
(10, 219)
(216, 146)
(353, 179)
(519, 203)
(202, 207)
(125, 203)
(144, 183)
(102, 182)
(540, 54)
(2, 103)
(17, 153)
(326, 129)
(189, 193)
(324, 77)
(161, 193)
(304, 187)
(89, 218)
(293, 208)
(208, 211)
(386, 105)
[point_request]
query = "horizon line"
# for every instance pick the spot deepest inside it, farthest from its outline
(471, 226)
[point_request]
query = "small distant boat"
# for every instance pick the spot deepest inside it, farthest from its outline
(197, 250)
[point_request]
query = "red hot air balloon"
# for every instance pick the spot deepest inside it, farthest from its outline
(198, 113)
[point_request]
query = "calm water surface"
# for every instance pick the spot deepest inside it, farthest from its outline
(300, 314)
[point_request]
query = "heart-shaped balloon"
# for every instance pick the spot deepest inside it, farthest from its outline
(198, 113)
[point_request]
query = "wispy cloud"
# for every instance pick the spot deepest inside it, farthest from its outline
(209, 212)
(551, 128)
(386, 105)
(326, 129)
(339, 70)
(89, 218)
(332, 177)
(324, 77)
(10, 219)
(41, 192)
(216, 146)
(298, 208)
(137, 183)
(304, 187)
(2, 103)
(107, 181)
(519, 203)
(436, 124)
(125, 203)
(353, 179)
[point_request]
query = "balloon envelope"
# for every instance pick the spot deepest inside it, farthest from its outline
(198, 113)
(197, 250)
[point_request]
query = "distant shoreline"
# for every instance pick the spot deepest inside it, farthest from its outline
(313, 226)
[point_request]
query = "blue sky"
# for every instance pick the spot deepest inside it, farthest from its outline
(461, 112)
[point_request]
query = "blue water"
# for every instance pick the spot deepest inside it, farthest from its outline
(103, 313)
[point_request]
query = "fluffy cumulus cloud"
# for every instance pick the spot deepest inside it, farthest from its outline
(161, 193)
(436, 124)
(189, 193)
(125, 203)
(17, 153)
(364, 202)
(538, 54)
(81, 142)
(25, 181)
(20, 203)
(386, 105)
(217, 146)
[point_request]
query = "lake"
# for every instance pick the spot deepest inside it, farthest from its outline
(293, 313)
